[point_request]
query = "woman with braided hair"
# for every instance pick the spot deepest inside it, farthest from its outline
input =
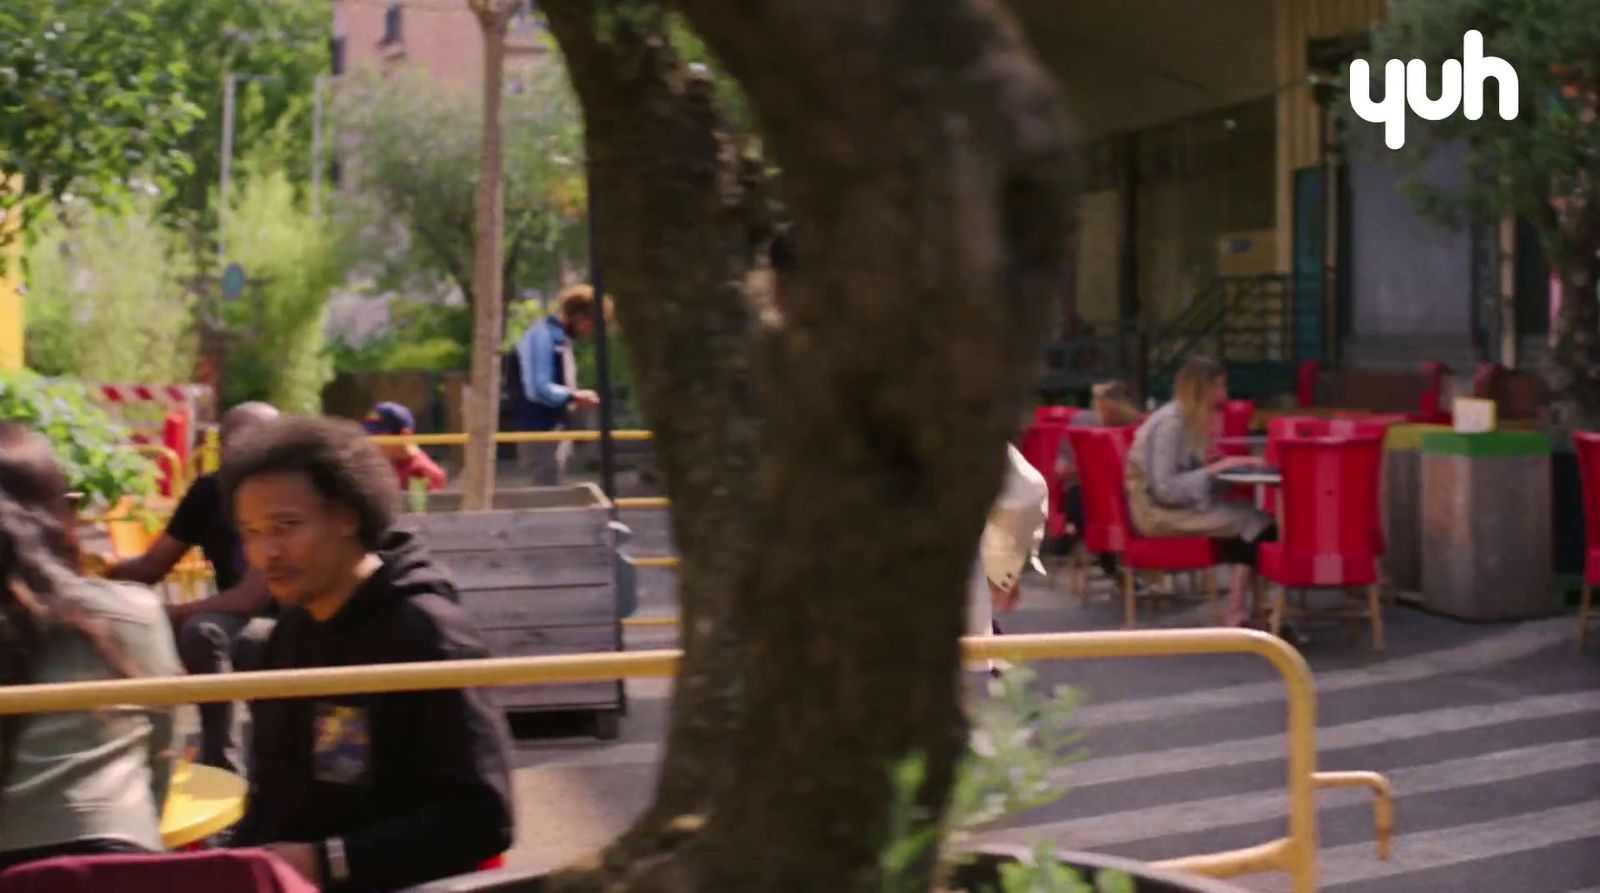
(72, 783)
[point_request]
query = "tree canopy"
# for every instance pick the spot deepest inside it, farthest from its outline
(415, 161)
(95, 95)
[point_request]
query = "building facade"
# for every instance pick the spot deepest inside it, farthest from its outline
(1211, 152)
(438, 37)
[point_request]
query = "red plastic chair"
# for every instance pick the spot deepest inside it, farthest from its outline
(1102, 468)
(1041, 446)
(1325, 534)
(1588, 444)
(1236, 418)
(1064, 415)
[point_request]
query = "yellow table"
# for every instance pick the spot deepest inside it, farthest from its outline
(201, 801)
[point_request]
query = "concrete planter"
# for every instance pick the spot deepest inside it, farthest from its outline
(1486, 512)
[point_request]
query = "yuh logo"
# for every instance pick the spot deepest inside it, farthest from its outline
(1461, 84)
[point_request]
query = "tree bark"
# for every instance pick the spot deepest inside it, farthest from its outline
(483, 409)
(1572, 241)
(681, 215)
(923, 159)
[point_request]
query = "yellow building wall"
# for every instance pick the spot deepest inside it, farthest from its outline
(11, 291)
(1299, 21)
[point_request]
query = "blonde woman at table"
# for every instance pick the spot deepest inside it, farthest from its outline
(73, 783)
(1172, 481)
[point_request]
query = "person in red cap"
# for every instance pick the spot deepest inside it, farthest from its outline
(409, 461)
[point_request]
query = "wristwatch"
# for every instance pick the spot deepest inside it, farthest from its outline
(335, 864)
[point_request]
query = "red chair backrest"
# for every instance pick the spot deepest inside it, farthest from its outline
(1330, 494)
(1062, 414)
(1235, 421)
(1236, 417)
(1284, 426)
(1041, 446)
(1102, 456)
(1306, 383)
(1588, 444)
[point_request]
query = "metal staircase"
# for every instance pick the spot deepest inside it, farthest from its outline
(1249, 323)
(1246, 322)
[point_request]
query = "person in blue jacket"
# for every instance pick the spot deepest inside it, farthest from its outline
(542, 381)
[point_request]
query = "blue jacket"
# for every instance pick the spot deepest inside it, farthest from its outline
(543, 390)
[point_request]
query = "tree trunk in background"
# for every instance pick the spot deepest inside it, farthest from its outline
(923, 159)
(1577, 353)
(483, 409)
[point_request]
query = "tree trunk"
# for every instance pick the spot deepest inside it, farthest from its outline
(1571, 230)
(677, 248)
(1577, 354)
(923, 155)
(483, 409)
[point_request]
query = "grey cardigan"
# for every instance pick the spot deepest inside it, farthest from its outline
(1169, 492)
(102, 773)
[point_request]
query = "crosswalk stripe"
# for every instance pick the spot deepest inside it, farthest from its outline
(1525, 640)
(1381, 730)
(1132, 826)
(1426, 850)
(1104, 770)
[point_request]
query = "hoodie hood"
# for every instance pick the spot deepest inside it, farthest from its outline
(407, 572)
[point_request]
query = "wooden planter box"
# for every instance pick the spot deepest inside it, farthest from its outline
(537, 576)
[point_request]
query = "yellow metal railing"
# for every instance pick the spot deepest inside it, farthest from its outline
(1295, 854)
(459, 439)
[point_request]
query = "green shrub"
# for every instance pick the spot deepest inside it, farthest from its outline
(92, 448)
(108, 296)
(277, 350)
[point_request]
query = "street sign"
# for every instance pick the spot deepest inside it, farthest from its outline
(233, 281)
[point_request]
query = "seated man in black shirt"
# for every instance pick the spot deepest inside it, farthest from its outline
(225, 629)
(360, 792)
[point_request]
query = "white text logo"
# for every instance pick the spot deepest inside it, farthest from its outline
(1461, 84)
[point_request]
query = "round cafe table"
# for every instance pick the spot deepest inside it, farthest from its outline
(201, 801)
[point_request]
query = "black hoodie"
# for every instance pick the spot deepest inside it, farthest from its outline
(414, 782)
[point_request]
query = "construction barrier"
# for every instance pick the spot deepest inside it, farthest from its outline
(1295, 854)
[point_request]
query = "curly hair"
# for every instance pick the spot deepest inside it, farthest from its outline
(336, 456)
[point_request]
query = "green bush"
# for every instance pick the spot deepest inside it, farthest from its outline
(277, 348)
(91, 447)
(421, 336)
(108, 296)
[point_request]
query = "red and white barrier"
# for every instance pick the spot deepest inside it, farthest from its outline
(158, 414)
